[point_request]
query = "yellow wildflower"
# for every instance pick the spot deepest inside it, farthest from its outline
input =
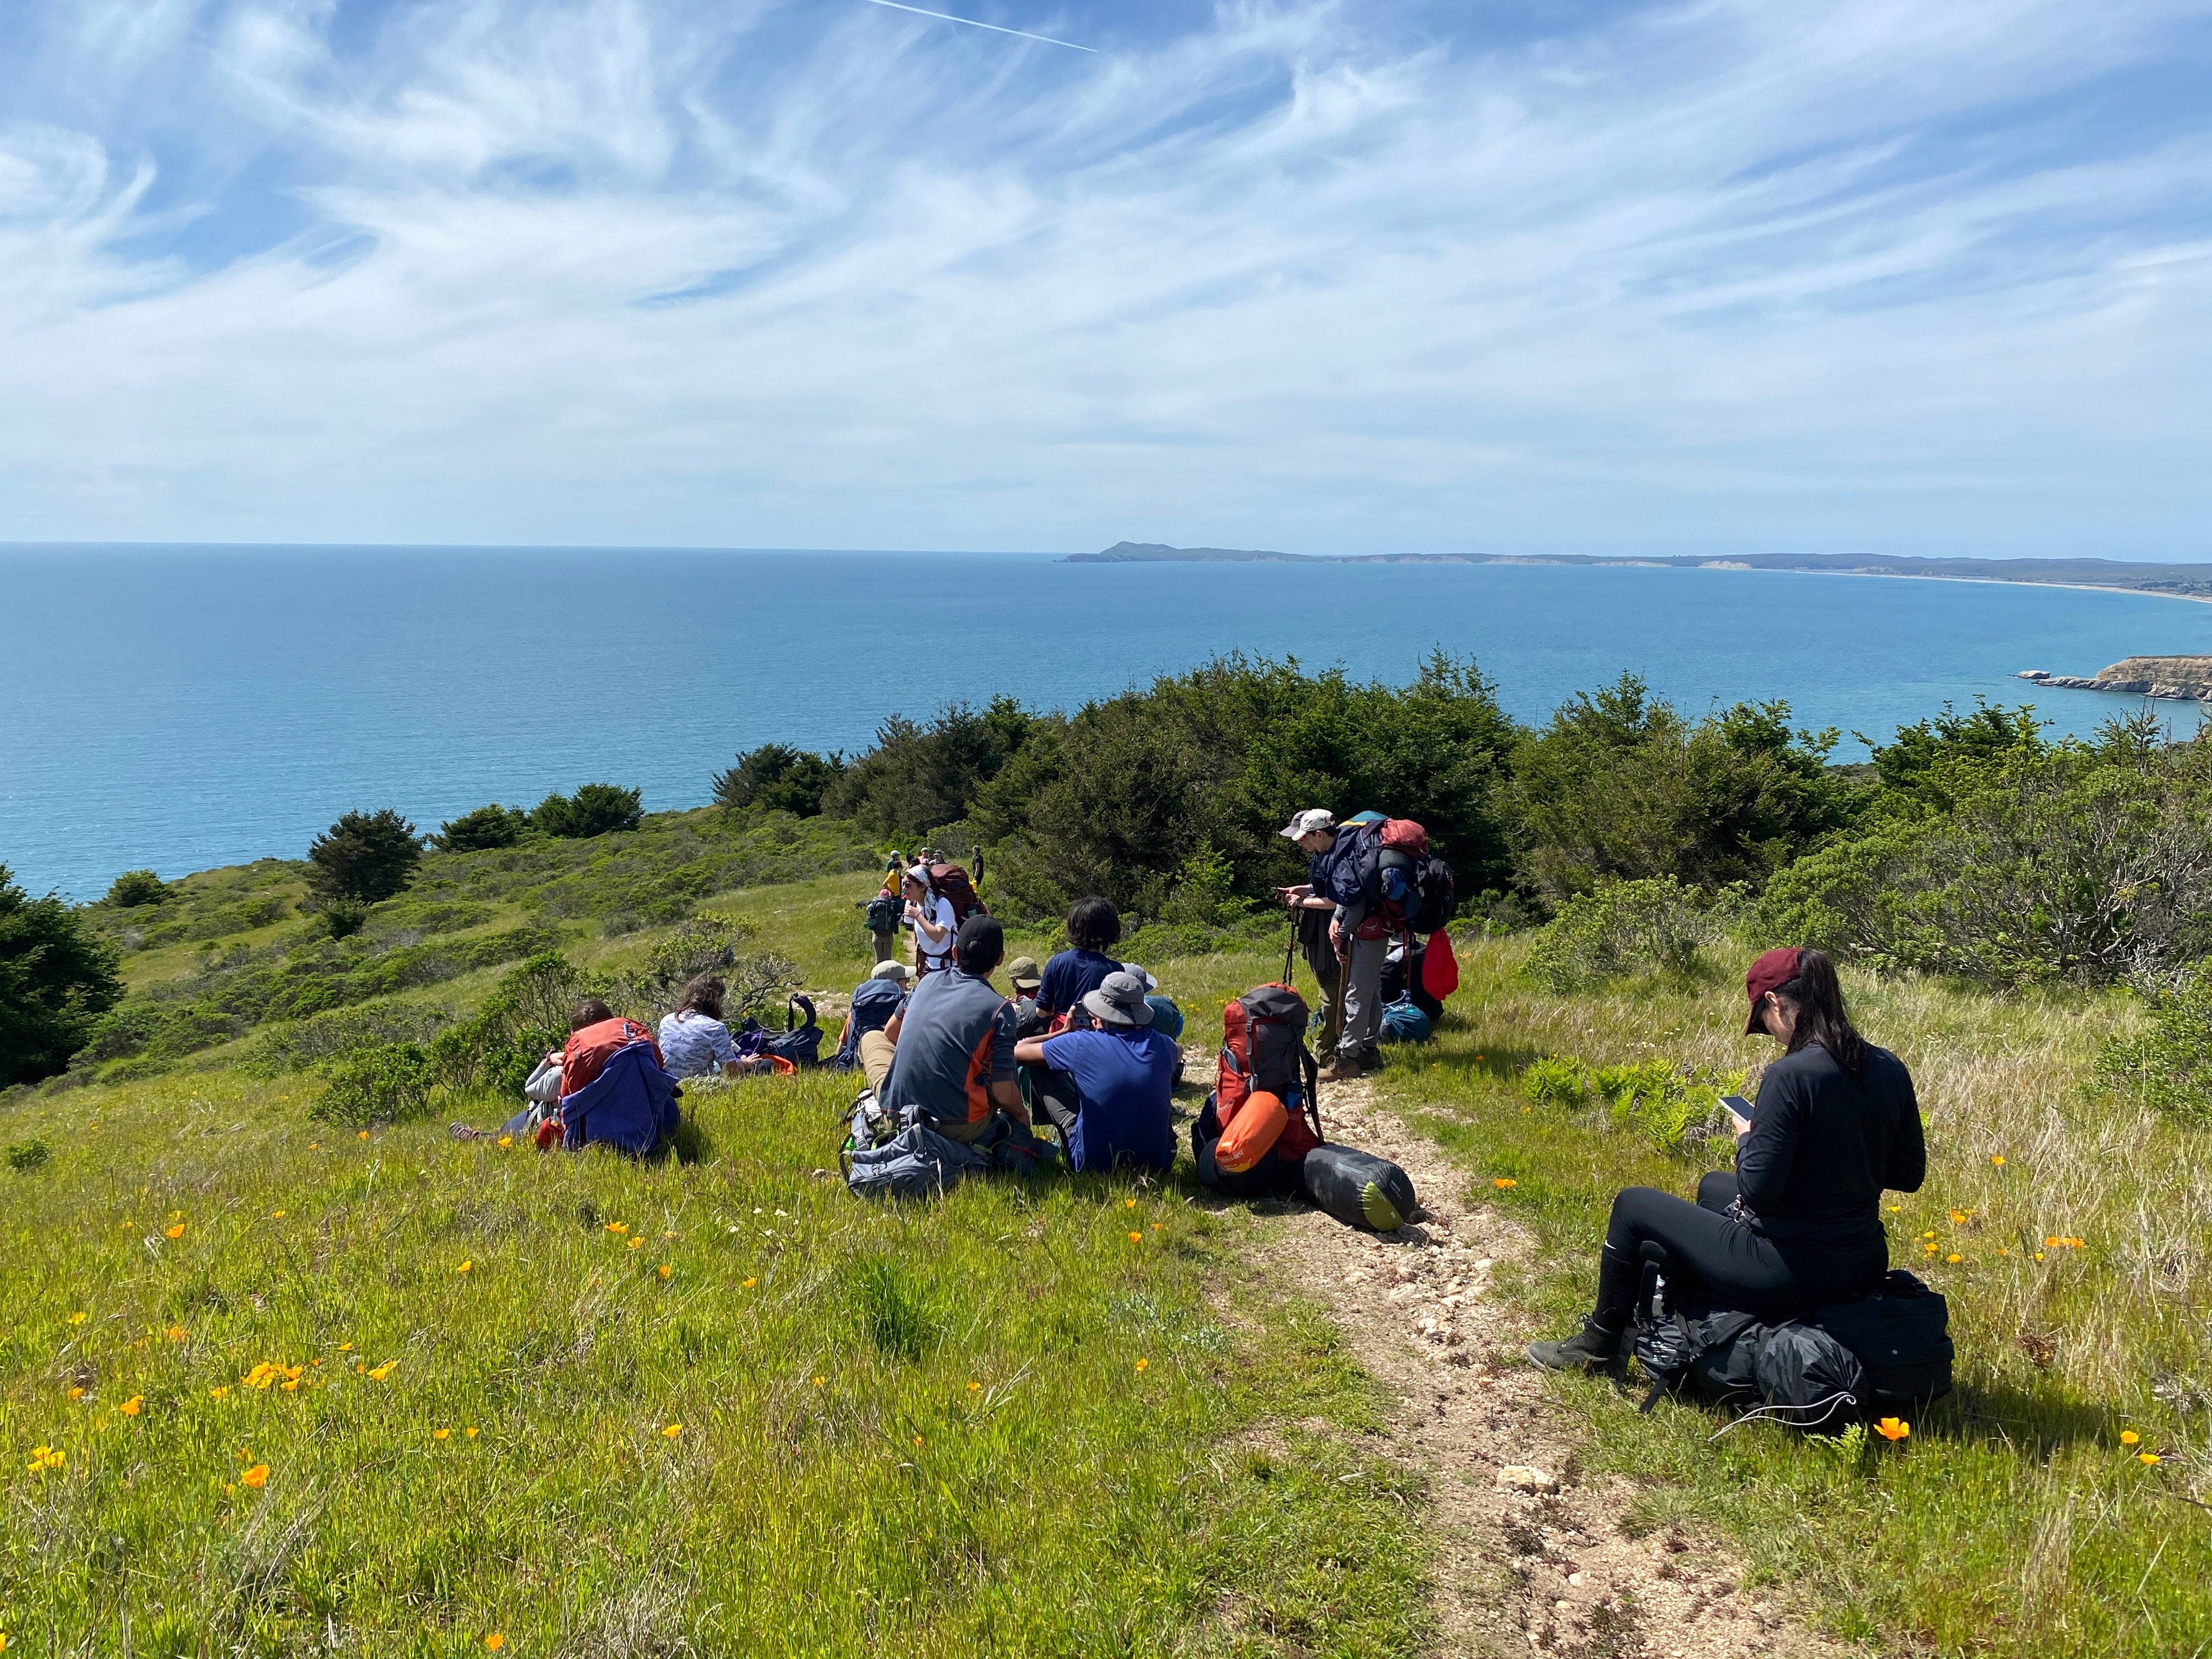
(441, 1434)
(1136, 1238)
(1893, 1428)
(177, 1231)
(494, 1641)
(257, 1476)
(749, 1284)
(666, 1269)
(78, 1318)
(383, 1371)
(77, 1393)
(2145, 1458)
(1953, 1256)
(618, 1226)
(671, 1430)
(472, 1433)
(219, 1394)
(637, 1244)
(2129, 1437)
(364, 1134)
(1143, 1364)
(1997, 1158)
(175, 1332)
(133, 1406)
(507, 1140)
(464, 1267)
(1505, 1183)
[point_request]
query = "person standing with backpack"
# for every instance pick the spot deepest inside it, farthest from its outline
(1312, 832)
(934, 921)
(883, 912)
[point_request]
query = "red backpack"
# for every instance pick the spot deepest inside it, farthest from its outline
(1263, 1052)
(950, 881)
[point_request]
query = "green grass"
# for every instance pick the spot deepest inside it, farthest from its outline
(993, 1425)
(2014, 1519)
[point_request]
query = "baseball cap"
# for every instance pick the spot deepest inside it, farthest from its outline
(1313, 820)
(1770, 973)
(892, 970)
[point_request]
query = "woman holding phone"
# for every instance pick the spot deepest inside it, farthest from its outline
(1798, 1223)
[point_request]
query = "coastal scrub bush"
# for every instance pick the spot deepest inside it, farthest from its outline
(1621, 927)
(597, 809)
(57, 979)
(778, 778)
(1619, 784)
(387, 1084)
(918, 778)
(482, 830)
(526, 1017)
(364, 855)
(301, 1044)
(136, 887)
(2168, 1066)
(343, 918)
(2085, 863)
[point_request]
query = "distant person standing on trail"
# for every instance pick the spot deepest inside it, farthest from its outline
(883, 912)
(1312, 832)
(931, 915)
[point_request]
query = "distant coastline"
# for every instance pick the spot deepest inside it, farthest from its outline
(2171, 581)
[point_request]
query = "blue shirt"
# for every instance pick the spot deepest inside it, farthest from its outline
(1123, 1082)
(1071, 976)
(692, 1045)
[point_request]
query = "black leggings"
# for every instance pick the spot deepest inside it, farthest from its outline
(1724, 1258)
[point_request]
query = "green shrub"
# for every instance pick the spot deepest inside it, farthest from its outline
(597, 809)
(778, 778)
(1621, 927)
(2169, 1067)
(1676, 1108)
(57, 979)
(486, 828)
(26, 1157)
(2086, 863)
(1619, 786)
(343, 918)
(364, 855)
(387, 1084)
(136, 887)
(526, 1017)
(304, 1044)
(757, 983)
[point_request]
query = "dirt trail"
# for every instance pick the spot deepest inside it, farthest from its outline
(1534, 1556)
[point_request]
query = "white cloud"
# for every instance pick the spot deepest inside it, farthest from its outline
(1727, 275)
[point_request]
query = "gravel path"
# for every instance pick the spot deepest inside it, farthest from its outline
(1534, 1556)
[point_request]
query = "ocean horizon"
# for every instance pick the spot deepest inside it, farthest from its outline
(180, 708)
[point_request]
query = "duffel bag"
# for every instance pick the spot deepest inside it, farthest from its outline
(1901, 1332)
(1358, 1189)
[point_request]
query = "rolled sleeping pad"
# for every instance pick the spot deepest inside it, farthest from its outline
(1252, 1133)
(1358, 1189)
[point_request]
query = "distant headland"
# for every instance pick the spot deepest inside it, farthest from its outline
(2184, 581)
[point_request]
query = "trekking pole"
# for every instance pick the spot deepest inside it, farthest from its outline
(1291, 950)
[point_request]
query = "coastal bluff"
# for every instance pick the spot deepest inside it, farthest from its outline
(2186, 677)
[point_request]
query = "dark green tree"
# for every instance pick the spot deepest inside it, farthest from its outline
(136, 887)
(485, 828)
(367, 856)
(57, 979)
(778, 778)
(597, 809)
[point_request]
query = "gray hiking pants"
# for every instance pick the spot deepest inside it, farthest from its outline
(1360, 991)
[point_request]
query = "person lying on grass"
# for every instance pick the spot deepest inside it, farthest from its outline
(950, 1049)
(1108, 1084)
(1798, 1223)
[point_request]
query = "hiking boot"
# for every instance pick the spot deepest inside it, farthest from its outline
(1341, 1070)
(1591, 1349)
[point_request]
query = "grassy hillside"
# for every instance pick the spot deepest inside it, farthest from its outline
(984, 1465)
(2019, 1517)
(299, 1387)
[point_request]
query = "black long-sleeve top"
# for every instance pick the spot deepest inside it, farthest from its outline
(1824, 1144)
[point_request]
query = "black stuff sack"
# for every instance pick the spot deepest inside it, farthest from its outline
(1358, 1189)
(1900, 1333)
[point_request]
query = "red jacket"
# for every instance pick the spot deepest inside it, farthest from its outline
(586, 1056)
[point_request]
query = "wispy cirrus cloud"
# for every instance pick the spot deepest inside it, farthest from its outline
(1727, 275)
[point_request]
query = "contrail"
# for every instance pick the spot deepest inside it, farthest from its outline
(971, 22)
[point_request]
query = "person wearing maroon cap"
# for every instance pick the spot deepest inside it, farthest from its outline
(1798, 1222)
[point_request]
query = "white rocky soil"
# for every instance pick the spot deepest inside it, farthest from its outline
(1533, 1555)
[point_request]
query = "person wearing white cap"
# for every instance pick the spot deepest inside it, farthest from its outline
(1314, 832)
(1121, 1074)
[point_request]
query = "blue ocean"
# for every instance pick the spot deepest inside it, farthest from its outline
(182, 707)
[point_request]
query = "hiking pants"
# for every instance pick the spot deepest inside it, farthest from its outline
(1052, 1096)
(886, 944)
(1722, 1256)
(1328, 1006)
(876, 1052)
(1360, 991)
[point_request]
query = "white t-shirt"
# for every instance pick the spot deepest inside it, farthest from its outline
(939, 909)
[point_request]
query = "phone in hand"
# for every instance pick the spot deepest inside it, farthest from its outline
(1740, 1110)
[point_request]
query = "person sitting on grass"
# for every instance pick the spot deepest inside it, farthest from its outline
(950, 1049)
(1093, 925)
(929, 913)
(1798, 1223)
(594, 1034)
(695, 1037)
(1107, 1084)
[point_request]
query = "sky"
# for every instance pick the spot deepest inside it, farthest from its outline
(1529, 277)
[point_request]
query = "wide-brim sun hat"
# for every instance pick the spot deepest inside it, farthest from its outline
(1135, 972)
(1120, 1001)
(1023, 971)
(900, 970)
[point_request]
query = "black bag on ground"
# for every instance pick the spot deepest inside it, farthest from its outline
(1358, 1189)
(1797, 1373)
(1901, 1332)
(799, 1044)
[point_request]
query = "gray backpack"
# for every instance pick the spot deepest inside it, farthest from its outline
(902, 1157)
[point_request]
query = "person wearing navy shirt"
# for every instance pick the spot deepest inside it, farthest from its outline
(1122, 1074)
(1093, 926)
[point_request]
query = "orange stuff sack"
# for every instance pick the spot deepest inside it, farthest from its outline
(1253, 1133)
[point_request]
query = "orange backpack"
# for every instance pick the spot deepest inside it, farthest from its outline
(1269, 1076)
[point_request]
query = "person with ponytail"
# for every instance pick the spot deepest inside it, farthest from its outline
(1797, 1224)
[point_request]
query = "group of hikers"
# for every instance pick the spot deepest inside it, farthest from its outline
(1087, 1047)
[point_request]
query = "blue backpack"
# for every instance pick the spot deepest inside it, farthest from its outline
(1404, 1022)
